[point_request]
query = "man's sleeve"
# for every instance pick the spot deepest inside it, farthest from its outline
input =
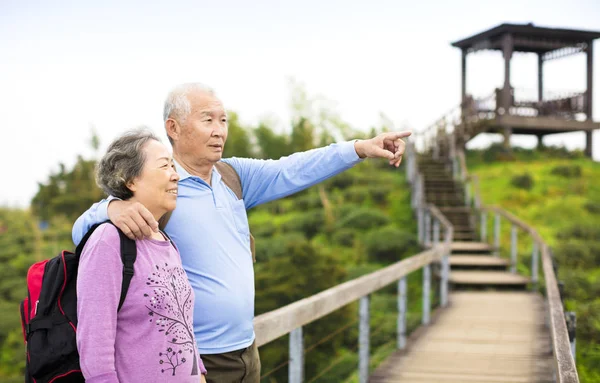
(95, 214)
(267, 180)
(99, 281)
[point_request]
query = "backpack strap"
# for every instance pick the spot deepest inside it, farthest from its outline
(128, 256)
(232, 179)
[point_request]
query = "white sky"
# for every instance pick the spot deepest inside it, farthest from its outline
(68, 65)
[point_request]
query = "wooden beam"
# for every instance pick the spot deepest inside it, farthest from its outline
(274, 324)
(546, 123)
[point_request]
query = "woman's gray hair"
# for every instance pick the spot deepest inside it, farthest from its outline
(177, 104)
(123, 162)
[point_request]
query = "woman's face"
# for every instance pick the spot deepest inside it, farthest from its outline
(156, 187)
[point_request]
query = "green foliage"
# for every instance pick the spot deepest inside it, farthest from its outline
(238, 138)
(363, 219)
(567, 171)
(67, 193)
(309, 223)
(592, 207)
(344, 237)
(388, 244)
(523, 181)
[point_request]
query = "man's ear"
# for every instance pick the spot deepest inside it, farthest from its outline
(173, 129)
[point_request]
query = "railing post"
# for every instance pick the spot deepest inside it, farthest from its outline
(296, 369)
(427, 228)
(421, 224)
(571, 319)
(444, 281)
(436, 232)
(468, 194)
(426, 288)
(534, 265)
(363, 340)
(483, 226)
(402, 313)
(497, 234)
(513, 249)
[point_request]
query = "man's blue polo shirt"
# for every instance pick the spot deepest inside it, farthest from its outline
(210, 228)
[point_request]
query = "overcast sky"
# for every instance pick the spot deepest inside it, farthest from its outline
(67, 66)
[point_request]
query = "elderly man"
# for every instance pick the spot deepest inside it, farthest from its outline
(210, 225)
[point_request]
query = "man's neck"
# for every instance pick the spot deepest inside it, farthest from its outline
(202, 170)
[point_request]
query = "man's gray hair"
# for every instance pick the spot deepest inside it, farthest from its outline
(177, 104)
(123, 162)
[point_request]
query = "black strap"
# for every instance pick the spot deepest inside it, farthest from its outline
(128, 256)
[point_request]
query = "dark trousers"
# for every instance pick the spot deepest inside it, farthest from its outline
(240, 366)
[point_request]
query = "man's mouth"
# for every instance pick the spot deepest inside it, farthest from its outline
(172, 191)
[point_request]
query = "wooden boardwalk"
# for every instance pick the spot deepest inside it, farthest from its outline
(481, 337)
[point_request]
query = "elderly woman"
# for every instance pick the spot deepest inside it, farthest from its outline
(151, 338)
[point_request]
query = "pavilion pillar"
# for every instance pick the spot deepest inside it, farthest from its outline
(588, 98)
(506, 102)
(540, 77)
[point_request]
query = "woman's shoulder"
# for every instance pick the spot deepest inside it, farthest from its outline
(105, 234)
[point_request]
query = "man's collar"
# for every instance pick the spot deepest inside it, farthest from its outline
(183, 174)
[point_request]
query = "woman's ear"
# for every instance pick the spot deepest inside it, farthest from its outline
(131, 185)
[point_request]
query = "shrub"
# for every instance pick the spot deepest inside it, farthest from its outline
(310, 223)
(389, 244)
(523, 181)
(308, 201)
(363, 219)
(567, 171)
(592, 207)
(344, 237)
(276, 246)
(585, 231)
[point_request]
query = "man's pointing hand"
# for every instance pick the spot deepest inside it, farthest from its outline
(386, 145)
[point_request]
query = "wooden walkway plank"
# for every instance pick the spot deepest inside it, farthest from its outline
(481, 337)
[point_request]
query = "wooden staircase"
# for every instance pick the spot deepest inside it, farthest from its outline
(473, 264)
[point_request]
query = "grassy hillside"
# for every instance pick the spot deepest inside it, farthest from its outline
(559, 194)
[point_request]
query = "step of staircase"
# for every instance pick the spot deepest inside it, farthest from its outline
(471, 247)
(470, 261)
(487, 279)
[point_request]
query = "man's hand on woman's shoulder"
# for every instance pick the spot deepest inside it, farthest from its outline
(134, 220)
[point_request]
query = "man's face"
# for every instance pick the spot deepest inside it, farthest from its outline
(204, 131)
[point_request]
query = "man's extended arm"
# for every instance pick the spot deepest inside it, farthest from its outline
(267, 180)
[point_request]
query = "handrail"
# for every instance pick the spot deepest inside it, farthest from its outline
(566, 371)
(272, 325)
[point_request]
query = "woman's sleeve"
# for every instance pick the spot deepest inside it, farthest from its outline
(98, 291)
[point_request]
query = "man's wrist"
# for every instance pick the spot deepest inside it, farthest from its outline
(358, 147)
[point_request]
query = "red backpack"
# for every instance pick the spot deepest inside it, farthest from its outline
(49, 313)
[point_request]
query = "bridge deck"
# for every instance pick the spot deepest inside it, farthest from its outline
(481, 337)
